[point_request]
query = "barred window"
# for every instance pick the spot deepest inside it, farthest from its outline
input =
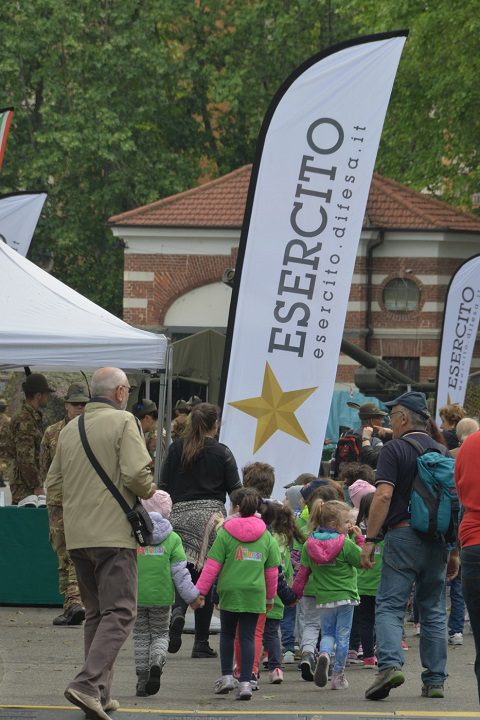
(401, 295)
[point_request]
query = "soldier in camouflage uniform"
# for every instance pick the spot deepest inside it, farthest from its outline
(4, 423)
(73, 611)
(146, 412)
(180, 421)
(24, 437)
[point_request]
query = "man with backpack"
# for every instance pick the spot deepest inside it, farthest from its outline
(409, 556)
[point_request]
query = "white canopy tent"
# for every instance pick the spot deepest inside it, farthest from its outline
(47, 325)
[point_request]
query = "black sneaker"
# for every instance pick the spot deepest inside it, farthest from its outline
(176, 626)
(307, 666)
(385, 680)
(73, 616)
(152, 686)
(203, 650)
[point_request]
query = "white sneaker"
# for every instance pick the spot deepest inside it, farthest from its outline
(455, 639)
(30, 501)
(417, 628)
(288, 658)
(42, 501)
(224, 684)
(244, 691)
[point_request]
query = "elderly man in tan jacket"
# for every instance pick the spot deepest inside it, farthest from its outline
(98, 535)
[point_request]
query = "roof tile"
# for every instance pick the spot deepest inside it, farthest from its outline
(221, 203)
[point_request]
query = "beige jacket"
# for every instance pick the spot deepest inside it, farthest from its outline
(92, 516)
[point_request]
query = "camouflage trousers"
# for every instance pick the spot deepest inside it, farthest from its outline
(67, 579)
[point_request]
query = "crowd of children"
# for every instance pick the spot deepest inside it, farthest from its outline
(282, 575)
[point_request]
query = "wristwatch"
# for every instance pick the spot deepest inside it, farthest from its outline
(372, 540)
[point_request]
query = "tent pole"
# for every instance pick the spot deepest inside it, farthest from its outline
(161, 413)
(164, 398)
(169, 370)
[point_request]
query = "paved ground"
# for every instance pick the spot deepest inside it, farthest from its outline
(37, 660)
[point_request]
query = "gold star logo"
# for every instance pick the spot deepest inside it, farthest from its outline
(274, 409)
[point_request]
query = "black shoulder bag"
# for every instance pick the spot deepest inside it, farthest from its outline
(137, 516)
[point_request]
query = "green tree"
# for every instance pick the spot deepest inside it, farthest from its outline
(94, 125)
(431, 134)
(119, 104)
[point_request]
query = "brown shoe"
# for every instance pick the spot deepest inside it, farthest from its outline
(92, 707)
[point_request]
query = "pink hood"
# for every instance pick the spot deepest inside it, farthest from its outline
(245, 529)
(323, 547)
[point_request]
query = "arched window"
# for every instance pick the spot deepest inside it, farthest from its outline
(401, 295)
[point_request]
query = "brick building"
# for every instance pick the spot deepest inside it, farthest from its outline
(177, 249)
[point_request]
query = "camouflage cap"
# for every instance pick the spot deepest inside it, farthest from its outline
(194, 400)
(77, 393)
(3, 403)
(182, 406)
(144, 407)
(36, 383)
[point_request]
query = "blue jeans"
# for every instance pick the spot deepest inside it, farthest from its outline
(288, 628)
(470, 557)
(456, 619)
(408, 559)
(336, 624)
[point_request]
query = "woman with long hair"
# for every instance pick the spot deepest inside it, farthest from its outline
(198, 473)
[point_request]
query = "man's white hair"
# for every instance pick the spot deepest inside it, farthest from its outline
(106, 380)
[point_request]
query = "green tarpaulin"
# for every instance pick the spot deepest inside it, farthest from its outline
(199, 358)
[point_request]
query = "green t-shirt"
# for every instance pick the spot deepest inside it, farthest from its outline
(301, 521)
(155, 584)
(241, 583)
(286, 564)
(368, 580)
(336, 580)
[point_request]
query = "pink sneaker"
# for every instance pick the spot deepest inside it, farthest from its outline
(370, 662)
(275, 677)
(339, 681)
(404, 645)
(352, 658)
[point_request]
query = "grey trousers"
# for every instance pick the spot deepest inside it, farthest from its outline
(107, 578)
(150, 637)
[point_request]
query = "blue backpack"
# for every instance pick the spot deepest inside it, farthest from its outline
(434, 503)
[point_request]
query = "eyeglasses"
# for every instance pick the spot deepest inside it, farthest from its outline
(397, 412)
(127, 387)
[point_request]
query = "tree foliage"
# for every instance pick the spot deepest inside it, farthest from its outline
(120, 103)
(431, 137)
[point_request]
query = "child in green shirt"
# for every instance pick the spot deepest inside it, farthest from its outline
(162, 567)
(330, 558)
(245, 557)
(368, 581)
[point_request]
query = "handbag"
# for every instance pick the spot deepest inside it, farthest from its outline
(137, 516)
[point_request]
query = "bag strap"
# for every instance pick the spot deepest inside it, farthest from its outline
(99, 469)
(416, 445)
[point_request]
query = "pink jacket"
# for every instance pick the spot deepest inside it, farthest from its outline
(244, 529)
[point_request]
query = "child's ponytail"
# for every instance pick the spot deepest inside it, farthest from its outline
(327, 514)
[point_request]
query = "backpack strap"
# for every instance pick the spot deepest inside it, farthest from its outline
(420, 449)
